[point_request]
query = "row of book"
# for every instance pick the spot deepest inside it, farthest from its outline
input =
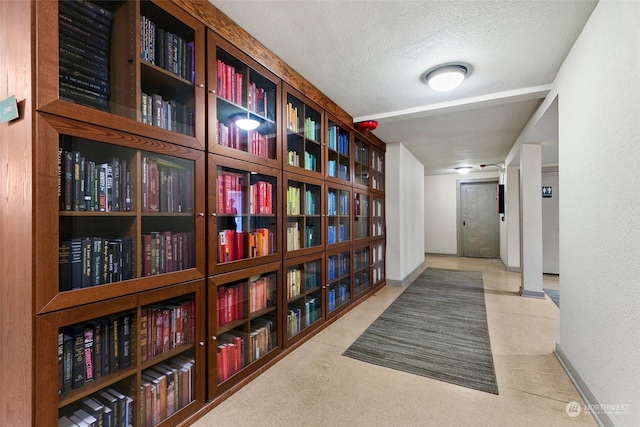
(300, 318)
(238, 349)
(230, 86)
(296, 240)
(361, 155)
(294, 201)
(166, 326)
(106, 408)
(361, 259)
(251, 141)
(92, 350)
(91, 185)
(377, 162)
(337, 170)
(299, 280)
(167, 251)
(166, 388)
(231, 299)
(167, 185)
(338, 141)
(231, 195)
(337, 266)
(378, 207)
(167, 114)
(85, 31)
(90, 261)
(338, 296)
(166, 50)
(311, 128)
(235, 245)
(378, 273)
(361, 282)
(337, 203)
(230, 355)
(360, 204)
(308, 161)
(339, 233)
(361, 227)
(230, 303)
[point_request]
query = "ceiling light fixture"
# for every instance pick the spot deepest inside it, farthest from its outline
(446, 77)
(463, 169)
(245, 122)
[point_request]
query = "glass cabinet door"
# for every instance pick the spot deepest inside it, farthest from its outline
(246, 214)
(338, 286)
(338, 152)
(245, 96)
(377, 170)
(139, 61)
(304, 295)
(303, 134)
(361, 270)
(338, 215)
(361, 214)
(303, 215)
(378, 216)
(361, 160)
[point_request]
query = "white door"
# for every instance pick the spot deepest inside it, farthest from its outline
(480, 220)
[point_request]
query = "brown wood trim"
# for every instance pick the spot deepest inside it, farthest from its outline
(232, 32)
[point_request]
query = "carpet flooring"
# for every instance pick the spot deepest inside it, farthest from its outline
(554, 294)
(436, 328)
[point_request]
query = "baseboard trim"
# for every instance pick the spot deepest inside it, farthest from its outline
(532, 294)
(590, 400)
(410, 277)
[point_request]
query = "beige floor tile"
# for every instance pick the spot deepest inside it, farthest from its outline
(316, 386)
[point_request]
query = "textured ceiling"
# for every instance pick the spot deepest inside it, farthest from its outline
(369, 58)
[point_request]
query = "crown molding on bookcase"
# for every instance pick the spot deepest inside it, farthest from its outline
(221, 24)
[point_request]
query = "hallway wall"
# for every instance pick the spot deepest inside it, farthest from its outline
(404, 209)
(599, 131)
(440, 219)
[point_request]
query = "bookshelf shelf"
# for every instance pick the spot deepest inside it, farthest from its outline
(361, 215)
(245, 214)
(377, 170)
(338, 151)
(243, 318)
(303, 198)
(304, 300)
(338, 208)
(361, 270)
(242, 89)
(338, 287)
(303, 127)
(361, 161)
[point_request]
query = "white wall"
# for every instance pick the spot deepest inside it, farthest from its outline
(440, 223)
(599, 151)
(510, 251)
(550, 224)
(404, 201)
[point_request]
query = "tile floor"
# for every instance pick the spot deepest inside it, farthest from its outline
(316, 386)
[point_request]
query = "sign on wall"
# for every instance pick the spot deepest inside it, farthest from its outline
(547, 192)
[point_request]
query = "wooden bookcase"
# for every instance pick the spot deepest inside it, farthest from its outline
(141, 97)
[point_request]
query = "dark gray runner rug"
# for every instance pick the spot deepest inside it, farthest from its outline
(436, 328)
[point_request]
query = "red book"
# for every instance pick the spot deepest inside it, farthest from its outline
(238, 245)
(222, 314)
(238, 99)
